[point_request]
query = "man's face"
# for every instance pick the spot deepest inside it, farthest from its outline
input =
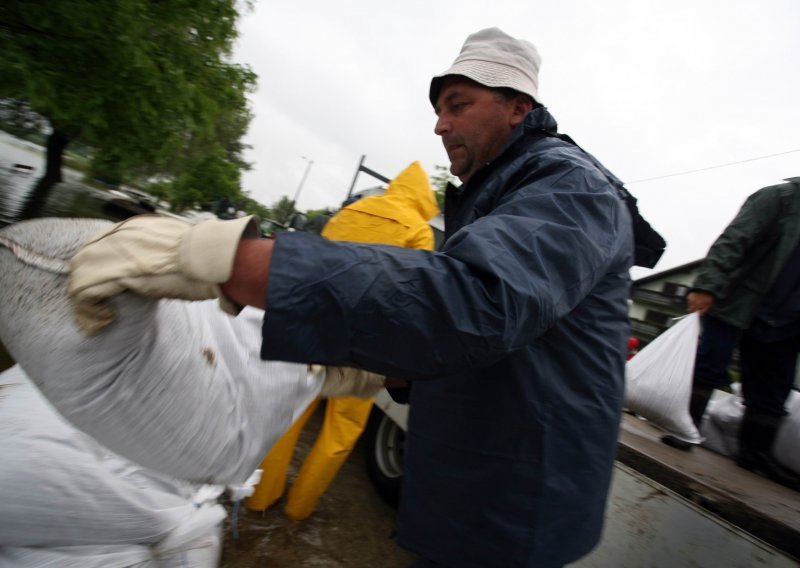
(474, 123)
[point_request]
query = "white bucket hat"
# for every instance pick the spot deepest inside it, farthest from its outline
(493, 58)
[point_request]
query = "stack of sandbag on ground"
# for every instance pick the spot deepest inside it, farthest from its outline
(720, 427)
(787, 442)
(174, 386)
(91, 556)
(658, 380)
(723, 418)
(67, 501)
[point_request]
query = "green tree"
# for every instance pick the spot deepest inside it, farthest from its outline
(206, 149)
(283, 210)
(251, 206)
(439, 181)
(142, 81)
(211, 180)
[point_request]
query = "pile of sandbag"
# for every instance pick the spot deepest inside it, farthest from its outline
(67, 501)
(659, 385)
(720, 428)
(177, 387)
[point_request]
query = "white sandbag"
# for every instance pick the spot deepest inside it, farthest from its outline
(659, 379)
(196, 543)
(75, 501)
(106, 556)
(787, 443)
(721, 423)
(177, 387)
(86, 556)
(55, 489)
(724, 418)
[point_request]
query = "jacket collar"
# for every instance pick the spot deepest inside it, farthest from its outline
(538, 120)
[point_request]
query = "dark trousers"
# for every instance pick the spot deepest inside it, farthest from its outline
(768, 368)
(768, 373)
(714, 353)
(424, 563)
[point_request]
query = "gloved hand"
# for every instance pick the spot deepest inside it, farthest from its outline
(346, 381)
(158, 257)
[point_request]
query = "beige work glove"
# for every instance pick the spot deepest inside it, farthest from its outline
(346, 381)
(158, 257)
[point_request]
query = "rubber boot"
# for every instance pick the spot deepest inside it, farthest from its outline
(698, 401)
(756, 437)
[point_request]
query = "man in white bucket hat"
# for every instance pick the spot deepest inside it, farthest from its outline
(512, 335)
(495, 59)
(509, 68)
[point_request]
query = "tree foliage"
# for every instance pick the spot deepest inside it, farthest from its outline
(213, 179)
(439, 181)
(147, 83)
(283, 210)
(251, 206)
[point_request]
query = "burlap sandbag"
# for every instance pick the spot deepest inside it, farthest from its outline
(177, 387)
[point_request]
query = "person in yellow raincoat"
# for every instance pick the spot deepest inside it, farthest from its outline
(398, 217)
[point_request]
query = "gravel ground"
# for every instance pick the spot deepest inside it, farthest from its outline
(350, 527)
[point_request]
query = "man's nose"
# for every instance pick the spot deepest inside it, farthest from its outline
(442, 125)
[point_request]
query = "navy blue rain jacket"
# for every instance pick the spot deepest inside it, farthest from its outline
(521, 319)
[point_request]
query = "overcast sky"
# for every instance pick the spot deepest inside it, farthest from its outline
(651, 88)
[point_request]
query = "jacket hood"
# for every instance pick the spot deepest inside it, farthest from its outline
(408, 197)
(539, 119)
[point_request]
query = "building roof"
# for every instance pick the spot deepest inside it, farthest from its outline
(669, 272)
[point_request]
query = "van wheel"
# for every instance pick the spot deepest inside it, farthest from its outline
(385, 451)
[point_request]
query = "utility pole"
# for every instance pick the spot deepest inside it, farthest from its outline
(355, 177)
(302, 181)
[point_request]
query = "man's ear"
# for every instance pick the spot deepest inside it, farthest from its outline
(521, 106)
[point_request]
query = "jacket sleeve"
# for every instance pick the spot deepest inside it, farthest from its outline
(752, 225)
(498, 283)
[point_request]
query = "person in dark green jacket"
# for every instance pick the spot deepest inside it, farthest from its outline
(748, 292)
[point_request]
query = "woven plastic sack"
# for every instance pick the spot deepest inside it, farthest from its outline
(659, 379)
(724, 418)
(787, 443)
(111, 556)
(720, 428)
(177, 387)
(85, 556)
(61, 488)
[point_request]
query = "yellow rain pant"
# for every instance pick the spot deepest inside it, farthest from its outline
(275, 464)
(345, 420)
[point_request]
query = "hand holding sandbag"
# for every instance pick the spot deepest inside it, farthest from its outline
(346, 381)
(157, 257)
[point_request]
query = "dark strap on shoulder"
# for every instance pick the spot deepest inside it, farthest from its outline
(649, 244)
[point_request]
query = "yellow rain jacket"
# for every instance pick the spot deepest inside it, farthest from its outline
(398, 217)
